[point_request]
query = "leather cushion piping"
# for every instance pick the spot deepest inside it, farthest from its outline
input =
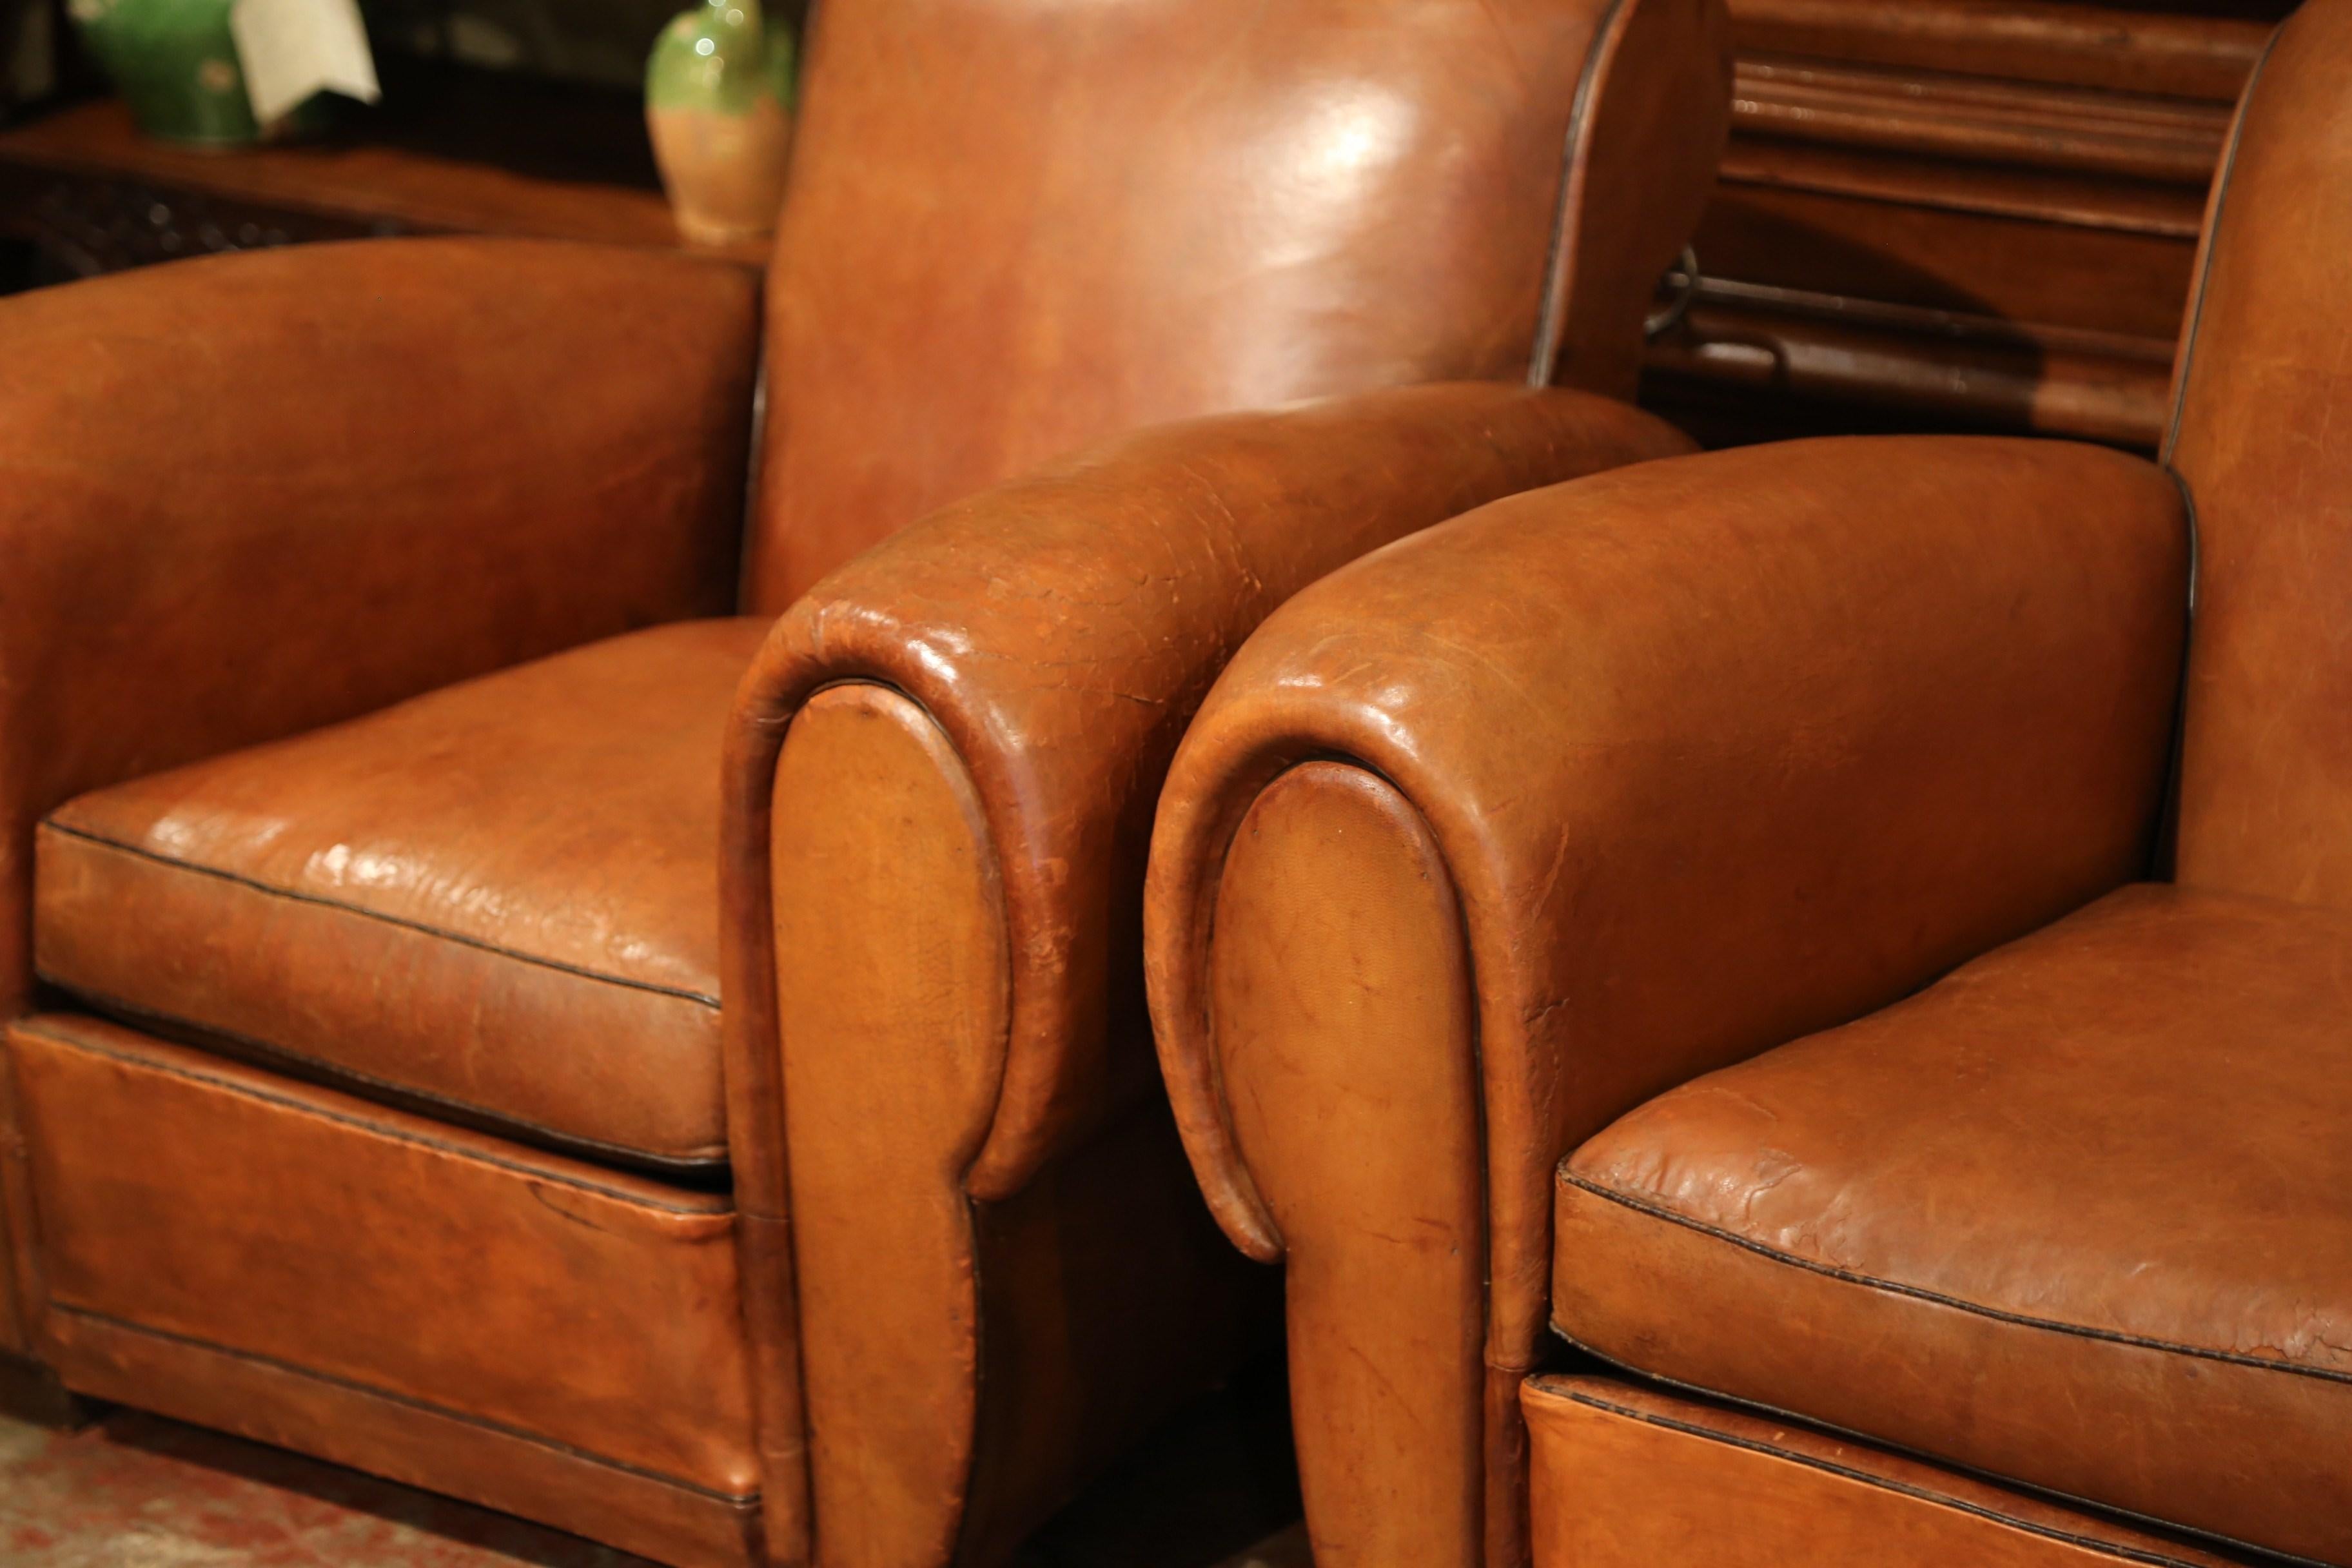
(701, 998)
(2223, 183)
(694, 1170)
(716, 1206)
(1916, 1292)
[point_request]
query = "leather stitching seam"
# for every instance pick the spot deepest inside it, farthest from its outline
(735, 1499)
(239, 879)
(2225, 182)
(1551, 312)
(378, 1129)
(2017, 1320)
(702, 1160)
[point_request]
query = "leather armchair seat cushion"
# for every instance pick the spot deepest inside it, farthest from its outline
(2075, 1215)
(495, 903)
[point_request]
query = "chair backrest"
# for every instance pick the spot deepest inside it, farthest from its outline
(2261, 438)
(1015, 226)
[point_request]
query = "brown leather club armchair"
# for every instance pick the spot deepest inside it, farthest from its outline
(400, 1069)
(1713, 937)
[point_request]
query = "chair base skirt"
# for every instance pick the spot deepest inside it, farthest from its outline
(435, 1450)
(1624, 1476)
(443, 1307)
(32, 1393)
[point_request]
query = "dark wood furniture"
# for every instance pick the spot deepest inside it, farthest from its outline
(1935, 213)
(1953, 213)
(454, 151)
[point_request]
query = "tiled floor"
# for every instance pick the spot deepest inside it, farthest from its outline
(138, 1491)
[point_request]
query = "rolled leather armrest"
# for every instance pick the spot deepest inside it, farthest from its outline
(247, 496)
(1687, 761)
(940, 781)
(1060, 630)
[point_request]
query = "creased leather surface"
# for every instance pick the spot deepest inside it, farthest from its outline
(1626, 1476)
(1716, 750)
(501, 896)
(1021, 227)
(1061, 629)
(2075, 1215)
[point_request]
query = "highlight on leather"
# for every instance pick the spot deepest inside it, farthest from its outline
(1199, 206)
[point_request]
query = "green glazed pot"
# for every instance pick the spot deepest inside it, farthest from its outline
(176, 65)
(718, 101)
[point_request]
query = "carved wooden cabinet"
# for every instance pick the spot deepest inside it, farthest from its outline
(1955, 214)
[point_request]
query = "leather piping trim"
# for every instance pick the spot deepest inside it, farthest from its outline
(755, 462)
(1794, 1418)
(239, 879)
(1551, 321)
(2221, 182)
(1014, 939)
(2018, 1320)
(301, 1066)
(733, 1499)
(2164, 854)
(1882, 1483)
(719, 1207)
(1211, 885)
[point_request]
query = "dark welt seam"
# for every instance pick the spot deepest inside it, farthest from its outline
(2222, 182)
(445, 935)
(282, 1058)
(1552, 312)
(2233, 1358)
(377, 1129)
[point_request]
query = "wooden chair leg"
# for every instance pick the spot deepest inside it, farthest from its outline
(31, 1391)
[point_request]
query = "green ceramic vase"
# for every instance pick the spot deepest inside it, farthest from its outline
(176, 65)
(719, 100)
(175, 62)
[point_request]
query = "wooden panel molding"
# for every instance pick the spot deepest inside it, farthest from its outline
(1955, 214)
